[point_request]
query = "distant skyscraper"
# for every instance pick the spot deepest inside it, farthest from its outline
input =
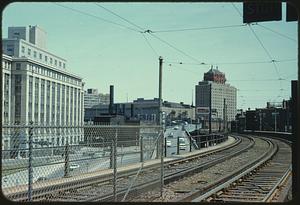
(37, 87)
(215, 80)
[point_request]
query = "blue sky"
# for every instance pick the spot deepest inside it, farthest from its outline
(104, 53)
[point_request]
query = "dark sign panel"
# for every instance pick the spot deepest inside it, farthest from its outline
(291, 13)
(261, 11)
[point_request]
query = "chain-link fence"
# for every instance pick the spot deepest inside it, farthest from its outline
(33, 155)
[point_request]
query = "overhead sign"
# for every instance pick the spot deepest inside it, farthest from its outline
(261, 11)
(291, 13)
(202, 110)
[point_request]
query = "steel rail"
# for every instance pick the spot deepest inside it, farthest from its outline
(88, 181)
(225, 183)
(168, 178)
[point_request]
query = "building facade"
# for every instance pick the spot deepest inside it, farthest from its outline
(92, 97)
(275, 117)
(38, 88)
(214, 90)
(146, 110)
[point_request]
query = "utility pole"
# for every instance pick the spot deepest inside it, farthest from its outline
(260, 125)
(209, 109)
(224, 114)
(276, 120)
(160, 124)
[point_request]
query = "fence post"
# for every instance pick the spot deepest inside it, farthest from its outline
(111, 158)
(177, 145)
(190, 143)
(115, 164)
(165, 147)
(30, 170)
(141, 148)
(67, 161)
(157, 150)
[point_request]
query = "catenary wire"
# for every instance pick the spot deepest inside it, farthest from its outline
(283, 35)
(149, 44)
(234, 6)
(97, 17)
(200, 28)
(262, 45)
(167, 43)
(231, 63)
(119, 16)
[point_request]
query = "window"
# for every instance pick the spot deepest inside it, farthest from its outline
(59, 64)
(41, 56)
(64, 65)
(18, 66)
(46, 58)
(50, 60)
(23, 49)
(29, 51)
(55, 62)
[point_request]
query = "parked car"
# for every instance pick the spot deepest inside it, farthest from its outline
(74, 166)
(169, 143)
(41, 179)
(176, 128)
(171, 134)
(182, 145)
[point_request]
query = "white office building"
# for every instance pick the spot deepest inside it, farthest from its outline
(214, 88)
(37, 87)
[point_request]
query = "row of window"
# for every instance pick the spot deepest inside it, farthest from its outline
(46, 58)
(6, 64)
(53, 74)
(60, 94)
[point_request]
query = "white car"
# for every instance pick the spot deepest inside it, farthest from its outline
(74, 166)
(171, 134)
(169, 143)
(176, 128)
(182, 145)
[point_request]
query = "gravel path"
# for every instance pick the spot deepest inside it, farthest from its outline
(178, 189)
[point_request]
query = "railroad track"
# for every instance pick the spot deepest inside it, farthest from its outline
(264, 180)
(97, 188)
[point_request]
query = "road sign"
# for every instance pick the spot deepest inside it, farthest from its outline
(261, 11)
(291, 13)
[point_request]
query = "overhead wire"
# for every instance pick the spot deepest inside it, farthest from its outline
(180, 51)
(276, 32)
(149, 44)
(110, 11)
(234, 6)
(200, 28)
(130, 22)
(232, 63)
(262, 45)
(97, 17)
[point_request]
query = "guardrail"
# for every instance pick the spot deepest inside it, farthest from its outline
(200, 141)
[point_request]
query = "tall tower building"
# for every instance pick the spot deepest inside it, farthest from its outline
(214, 89)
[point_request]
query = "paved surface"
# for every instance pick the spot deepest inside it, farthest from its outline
(98, 173)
